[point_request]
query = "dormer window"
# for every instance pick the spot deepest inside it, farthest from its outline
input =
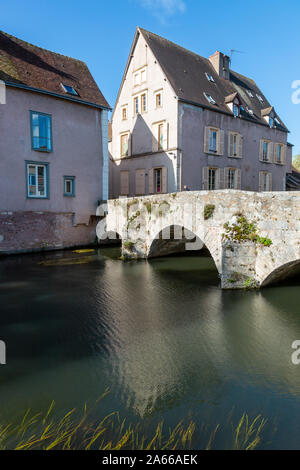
(209, 98)
(236, 110)
(277, 121)
(69, 89)
(271, 121)
(209, 77)
(249, 93)
(260, 98)
(250, 111)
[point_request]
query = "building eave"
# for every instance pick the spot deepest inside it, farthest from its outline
(55, 95)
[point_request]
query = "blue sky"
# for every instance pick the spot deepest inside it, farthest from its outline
(100, 32)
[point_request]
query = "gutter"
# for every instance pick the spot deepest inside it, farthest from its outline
(56, 95)
(216, 110)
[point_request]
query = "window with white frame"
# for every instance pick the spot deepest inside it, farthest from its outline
(143, 102)
(158, 99)
(140, 76)
(37, 180)
(231, 178)
(265, 151)
(136, 107)
(124, 144)
(209, 98)
(124, 113)
(209, 77)
(249, 93)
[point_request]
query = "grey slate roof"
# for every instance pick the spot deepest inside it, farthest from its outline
(185, 71)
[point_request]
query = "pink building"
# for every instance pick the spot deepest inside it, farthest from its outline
(53, 149)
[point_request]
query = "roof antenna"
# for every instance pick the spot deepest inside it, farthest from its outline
(232, 51)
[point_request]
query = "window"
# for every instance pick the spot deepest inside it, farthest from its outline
(212, 178)
(158, 100)
(140, 76)
(279, 154)
(250, 111)
(37, 180)
(231, 178)
(209, 77)
(233, 144)
(277, 121)
(143, 76)
(69, 186)
(144, 102)
(160, 136)
(69, 89)
(158, 180)
(271, 121)
(265, 151)
(124, 145)
(209, 98)
(136, 105)
(235, 110)
(212, 140)
(41, 132)
(260, 98)
(265, 181)
(249, 93)
(124, 113)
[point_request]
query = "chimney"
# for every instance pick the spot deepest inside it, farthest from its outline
(221, 63)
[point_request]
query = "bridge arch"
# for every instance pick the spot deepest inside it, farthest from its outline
(287, 270)
(174, 239)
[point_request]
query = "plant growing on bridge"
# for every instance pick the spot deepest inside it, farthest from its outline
(208, 211)
(242, 230)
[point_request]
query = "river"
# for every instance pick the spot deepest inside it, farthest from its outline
(159, 334)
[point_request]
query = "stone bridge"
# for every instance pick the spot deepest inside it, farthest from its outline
(253, 238)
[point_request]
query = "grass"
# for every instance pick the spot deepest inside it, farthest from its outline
(73, 431)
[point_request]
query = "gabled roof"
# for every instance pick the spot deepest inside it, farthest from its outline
(186, 70)
(28, 66)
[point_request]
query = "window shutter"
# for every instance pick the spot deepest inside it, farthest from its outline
(226, 175)
(230, 145)
(284, 154)
(220, 178)
(165, 136)
(140, 182)
(269, 181)
(261, 150)
(238, 180)
(129, 145)
(164, 179)
(155, 138)
(205, 177)
(151, 181)
(270, 151)
(206, 140)
(240, 144)
(220, 142)
(124, 183)
(261, 181)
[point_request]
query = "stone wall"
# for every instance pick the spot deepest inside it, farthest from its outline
(36, 231)
(245, 263)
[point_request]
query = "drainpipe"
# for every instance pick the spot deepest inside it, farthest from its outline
(105, 169)
(179, 142)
